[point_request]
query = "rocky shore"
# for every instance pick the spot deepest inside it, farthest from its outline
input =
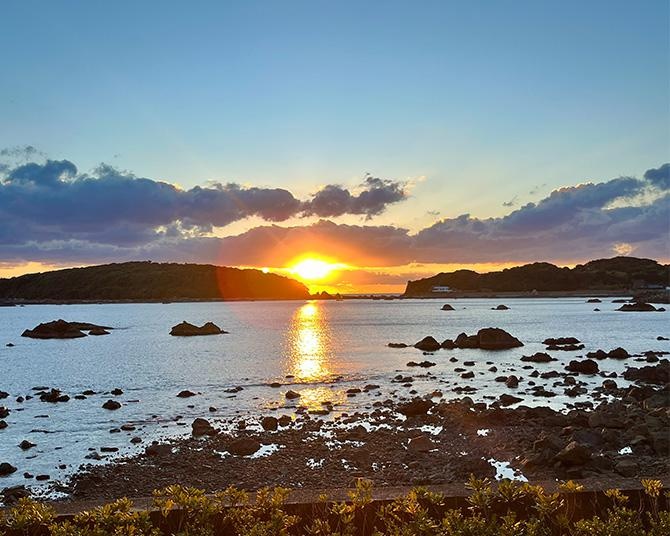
(418, 441)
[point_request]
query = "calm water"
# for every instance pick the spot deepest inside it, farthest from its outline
(327, 346)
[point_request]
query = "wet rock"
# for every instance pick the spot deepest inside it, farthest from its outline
(637, 307)
(586, 366)
(6, 469)
(448, 344)
(284, 420)
(185, 394)
(657, 374)
(53, 396)
(397, 345)
(661, 338)
(501, 307)
(189, 330)
(25, 445)
(427, 344)
(269, 424)
(135, 440)
(3, 424)
(496, 339)
(4, 412)
(538, 357)
(201, 427)
(560, 341)
(512, 381)
(593, 300)
(111, 405)
(508, 400)
(574, 454)
(447, 307)
(292, 395)
(97, 330)
(618, 353)
(423, 364)
(468, 375)
(243, 447)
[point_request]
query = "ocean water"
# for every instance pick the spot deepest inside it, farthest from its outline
(324, 347)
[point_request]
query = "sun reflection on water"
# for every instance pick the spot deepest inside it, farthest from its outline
(309, 344)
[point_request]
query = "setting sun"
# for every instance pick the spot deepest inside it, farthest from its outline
(313, 269)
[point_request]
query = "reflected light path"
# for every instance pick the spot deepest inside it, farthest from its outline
(309, 344)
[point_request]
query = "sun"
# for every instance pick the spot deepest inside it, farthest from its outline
(313, 269)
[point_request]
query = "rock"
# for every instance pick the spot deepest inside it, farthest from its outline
(593, 300)
(397, 345)
(415, 407)
(501, 307)
(626, 466)
(587, 366)
(448, 344)
(598, 354)
(61, 329)
(658, 374)
(189, 330)
(116, 392)
(447, 307)
(512, 381)
(158, 450)
(496, 339)
(427, 344)
(135, 440)
(185, 394)
(4, 412)
(25, 445)
(201, 427)
(618, 353)
(609, 385)
(3, 424)
(98, 331)
(538, 357)
(659, 338)
(424, 364)
(561, 341)
(6, 469)
(111, 405)
(637, 307)
(284, 420)
(421, 443)
(54, 396)
(508, 400)
(292, 395)
(574, 454)
(12, 494)
(243, 447)
(269, 423)
(10, 345)
(466, 341)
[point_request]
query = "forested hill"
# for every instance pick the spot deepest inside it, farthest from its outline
(139, 281)
(618, 273)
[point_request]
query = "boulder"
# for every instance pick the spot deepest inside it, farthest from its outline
(158, 450)
(500, 307)
(189, 330)
(538, 357)
(626, 466)
(427, 344)
(447, 307)
(559, 341)
(269, 423)
(111, 405)
(586, 366)
(243, 447)
(637, 307)
(658, 374)
(508, 400)
(465, 341)
(292, 395)
(415, 407)
(496, 339)
(397, 345)
(593, 300)
(12, 494)
(512, 381)
(61, 329)
(424, 364)
(618, 353)
(25, 445)
(421, 443)
(6, 469)
(185, 394)
(201, 427)
(574, 453)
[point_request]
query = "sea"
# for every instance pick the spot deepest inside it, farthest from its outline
(321, 349)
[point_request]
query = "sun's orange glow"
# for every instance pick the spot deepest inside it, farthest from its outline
(314, 269)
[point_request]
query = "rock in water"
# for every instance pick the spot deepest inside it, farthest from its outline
(637, 307)
(538, 357)
(447, 307)
(189, 330)
(496, 339)
(111, 405)
(501, 307)
(6, 469)
(201, 427)
(428, 344)
(587, 366)
(61, 329)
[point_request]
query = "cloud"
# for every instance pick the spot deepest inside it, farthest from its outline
(111, 216)
(376, 194)
(659, 177)
(53, 201)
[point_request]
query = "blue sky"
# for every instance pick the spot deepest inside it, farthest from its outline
(474, 103)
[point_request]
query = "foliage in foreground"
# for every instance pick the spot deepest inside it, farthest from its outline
(509, 509)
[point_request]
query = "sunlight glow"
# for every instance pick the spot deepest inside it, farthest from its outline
(312, 269)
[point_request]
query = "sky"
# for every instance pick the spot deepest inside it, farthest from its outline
(392, 139)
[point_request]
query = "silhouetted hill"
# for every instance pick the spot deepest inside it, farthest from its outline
(618, 273)
(150, 281)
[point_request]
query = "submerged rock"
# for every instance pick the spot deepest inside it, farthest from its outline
(189, 330)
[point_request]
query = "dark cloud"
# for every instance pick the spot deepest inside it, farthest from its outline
(112, 216)
(659, 177)
(375, 196)
(52, 201)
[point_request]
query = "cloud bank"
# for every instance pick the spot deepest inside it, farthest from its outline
(50, 212)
